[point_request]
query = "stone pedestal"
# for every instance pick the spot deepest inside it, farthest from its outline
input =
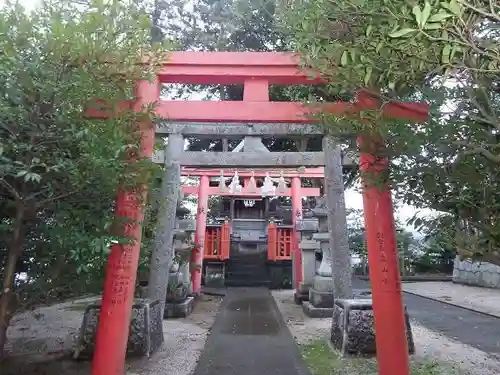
(320, 294)
(179, 309)
(145, 336)
(307, 227)
(353, 329)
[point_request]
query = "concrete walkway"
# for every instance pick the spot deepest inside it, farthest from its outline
(249, 337)
(482, 300)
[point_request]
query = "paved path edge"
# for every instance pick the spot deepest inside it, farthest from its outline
(497, 316)
(300, 362)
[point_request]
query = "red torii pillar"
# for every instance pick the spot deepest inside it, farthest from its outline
(387, 299)
(199, 237)
(296, 215)
(121, 270)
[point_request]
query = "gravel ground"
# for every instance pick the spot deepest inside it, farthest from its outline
(40, 342)
(429, 344)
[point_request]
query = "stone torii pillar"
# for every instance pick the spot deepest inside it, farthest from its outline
(337, 222)
(199, 239)
(161, 257)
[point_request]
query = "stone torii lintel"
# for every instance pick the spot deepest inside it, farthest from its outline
(236, 130)
(199, 159)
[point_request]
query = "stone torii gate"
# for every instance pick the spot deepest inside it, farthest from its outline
(276, 164)
(257, 117)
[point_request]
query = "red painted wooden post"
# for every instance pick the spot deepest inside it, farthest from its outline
(272, 241)
(208, 244)
(388, 308)
(297, 215)
(201, 225)
(121, 270)
(225, 241)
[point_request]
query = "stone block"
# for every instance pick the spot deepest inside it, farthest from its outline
(215, 275)
(309, 245)
(322, 237)
(308, 266)
(320, 212)
(179, 309)
(316, 312)
(353, 329)
(321, 299)
(307, 225)
(323, 284)
(145, 335)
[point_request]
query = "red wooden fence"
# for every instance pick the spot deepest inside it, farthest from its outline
(217, 240)
(279, 243)
(225, 241)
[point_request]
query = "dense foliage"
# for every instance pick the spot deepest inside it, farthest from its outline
(58, 169)
(444, 52)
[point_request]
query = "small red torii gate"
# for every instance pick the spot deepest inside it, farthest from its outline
(296, 192)
(256, 71)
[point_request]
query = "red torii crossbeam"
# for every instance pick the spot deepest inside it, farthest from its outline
(256, 71)
(213, 190)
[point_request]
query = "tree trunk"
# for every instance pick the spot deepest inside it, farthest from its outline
(7, 293)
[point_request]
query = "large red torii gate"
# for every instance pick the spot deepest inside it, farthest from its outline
(256, 71)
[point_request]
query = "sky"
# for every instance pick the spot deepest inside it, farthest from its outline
(352, 197)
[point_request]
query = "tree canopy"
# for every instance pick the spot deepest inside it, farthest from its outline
(443, 52)
(59, 170)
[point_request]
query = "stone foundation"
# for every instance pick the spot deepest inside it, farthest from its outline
(301, 294)
(316, 312)
(321, 299)
(353, 327)
(145, 336)
(476, 273)
(179, 309)
(215, 275)
(320, 304)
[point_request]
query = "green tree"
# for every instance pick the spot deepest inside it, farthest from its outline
(443, 52)
(407, 245)
(59, 170)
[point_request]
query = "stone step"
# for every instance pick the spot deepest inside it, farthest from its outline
(247, 282)
(259, 255)
(246, 275)
(246, 265)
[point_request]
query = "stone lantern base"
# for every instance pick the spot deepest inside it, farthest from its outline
(145, 335)
(353, 329)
